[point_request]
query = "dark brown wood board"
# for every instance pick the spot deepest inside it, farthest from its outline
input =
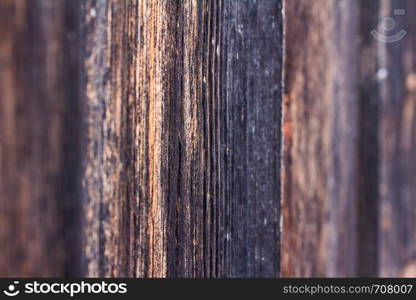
(183, 148)
(207, 138)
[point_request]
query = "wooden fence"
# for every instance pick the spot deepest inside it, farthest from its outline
(207, 138)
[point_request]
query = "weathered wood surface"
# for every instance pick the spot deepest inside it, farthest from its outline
(39, 138)
(173, 129)
(183, 122)
(142, 138)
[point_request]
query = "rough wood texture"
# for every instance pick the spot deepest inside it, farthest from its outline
(397, 140)
(320, 139)
(39, 138)
(183, 120)
(142, 138)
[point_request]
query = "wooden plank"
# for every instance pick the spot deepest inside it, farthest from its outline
(183, 122)
(163, 158)
(252, 93)
(320, 138)
(39, 138)
(397, 140)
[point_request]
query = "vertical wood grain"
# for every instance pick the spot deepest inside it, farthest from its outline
(183, 119)
(142, 138)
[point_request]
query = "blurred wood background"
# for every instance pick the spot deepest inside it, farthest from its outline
(349, 199)
(40, 138)
(207, 138)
